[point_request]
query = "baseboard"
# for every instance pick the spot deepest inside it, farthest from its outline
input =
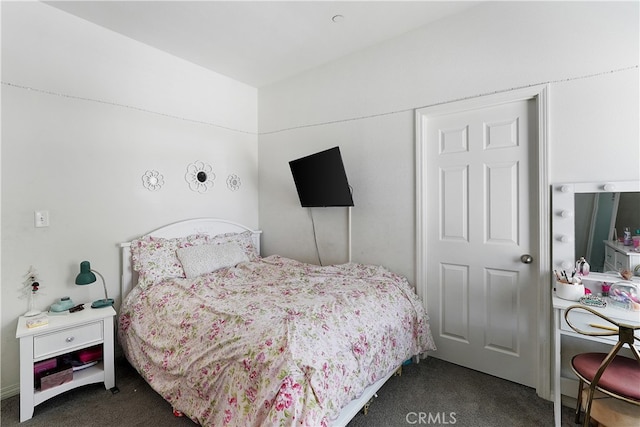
(10, 391)
(569, 387)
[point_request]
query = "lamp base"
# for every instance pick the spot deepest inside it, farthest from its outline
(32, 313)
(101, 303)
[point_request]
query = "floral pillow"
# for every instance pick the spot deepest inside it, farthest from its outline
(155, 259)
(244, 239)
(203, 259)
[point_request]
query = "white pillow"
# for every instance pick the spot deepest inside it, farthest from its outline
(203, 259)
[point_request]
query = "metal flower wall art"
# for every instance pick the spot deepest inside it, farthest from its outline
(152, 180)
(200, 176)
(233, 182)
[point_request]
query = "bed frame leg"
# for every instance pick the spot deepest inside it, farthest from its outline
(365, 408)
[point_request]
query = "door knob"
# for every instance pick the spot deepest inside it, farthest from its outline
(526, 259)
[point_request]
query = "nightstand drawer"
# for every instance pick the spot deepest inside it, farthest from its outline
(59, 342)
(610, 256)
(622, 261)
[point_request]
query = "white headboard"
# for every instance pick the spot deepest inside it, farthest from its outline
(210, 226)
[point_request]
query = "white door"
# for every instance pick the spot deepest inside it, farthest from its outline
(481, 193)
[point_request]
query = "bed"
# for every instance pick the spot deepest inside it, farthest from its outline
(228, 337)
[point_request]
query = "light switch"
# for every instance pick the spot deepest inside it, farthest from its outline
(41, 218)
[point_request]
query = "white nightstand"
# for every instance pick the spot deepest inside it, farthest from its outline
(64, 334)
(619, 257)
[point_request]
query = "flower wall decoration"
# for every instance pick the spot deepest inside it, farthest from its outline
(152, 180)
(200, 176)
(233, 182)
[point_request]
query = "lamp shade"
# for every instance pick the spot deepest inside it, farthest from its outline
(86, 276)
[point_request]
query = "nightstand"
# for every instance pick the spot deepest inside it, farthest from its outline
(64, 334)
(619, 257)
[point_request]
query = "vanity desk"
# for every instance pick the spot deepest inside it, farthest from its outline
(582, 319)
(582, 215)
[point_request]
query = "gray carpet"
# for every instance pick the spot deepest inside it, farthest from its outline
(432, 392)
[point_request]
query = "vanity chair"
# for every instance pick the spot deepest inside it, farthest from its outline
(607, 375)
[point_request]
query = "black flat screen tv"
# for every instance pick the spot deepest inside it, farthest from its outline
(321, 180)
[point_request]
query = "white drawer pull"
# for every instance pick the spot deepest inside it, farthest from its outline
(69, 339)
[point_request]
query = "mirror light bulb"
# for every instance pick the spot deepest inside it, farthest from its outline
(566, 239)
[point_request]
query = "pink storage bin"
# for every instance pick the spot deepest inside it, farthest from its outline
(90, 354)
(54, 379)
(41, 367)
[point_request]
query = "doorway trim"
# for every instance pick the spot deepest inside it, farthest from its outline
(540, 94)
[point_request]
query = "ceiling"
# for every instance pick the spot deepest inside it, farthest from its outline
(261, 42)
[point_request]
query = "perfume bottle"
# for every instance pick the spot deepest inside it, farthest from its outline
(627, 237)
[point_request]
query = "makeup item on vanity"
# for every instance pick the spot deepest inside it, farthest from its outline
(570, 291)
(627, 237)
(569, 288)
(582, 267)
(625, 295)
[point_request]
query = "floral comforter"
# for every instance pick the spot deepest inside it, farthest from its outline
(273, 342)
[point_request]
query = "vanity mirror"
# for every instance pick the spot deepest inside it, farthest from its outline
(601, 217)
(584, 216)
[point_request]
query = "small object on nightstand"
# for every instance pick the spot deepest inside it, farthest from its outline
(35, 322)
(78, 307)
(64, 304)
(30, 288)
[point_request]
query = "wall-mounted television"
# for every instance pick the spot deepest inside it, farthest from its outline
(321, 180)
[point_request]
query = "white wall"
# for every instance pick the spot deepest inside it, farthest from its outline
(102, 110)
(586, 51)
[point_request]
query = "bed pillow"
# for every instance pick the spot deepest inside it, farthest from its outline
(203, 259)
(244, 240)
(155, 259)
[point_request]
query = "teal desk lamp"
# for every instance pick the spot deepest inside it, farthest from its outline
(86, 277)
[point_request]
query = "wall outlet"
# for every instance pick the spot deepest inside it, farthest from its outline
(41, 218)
